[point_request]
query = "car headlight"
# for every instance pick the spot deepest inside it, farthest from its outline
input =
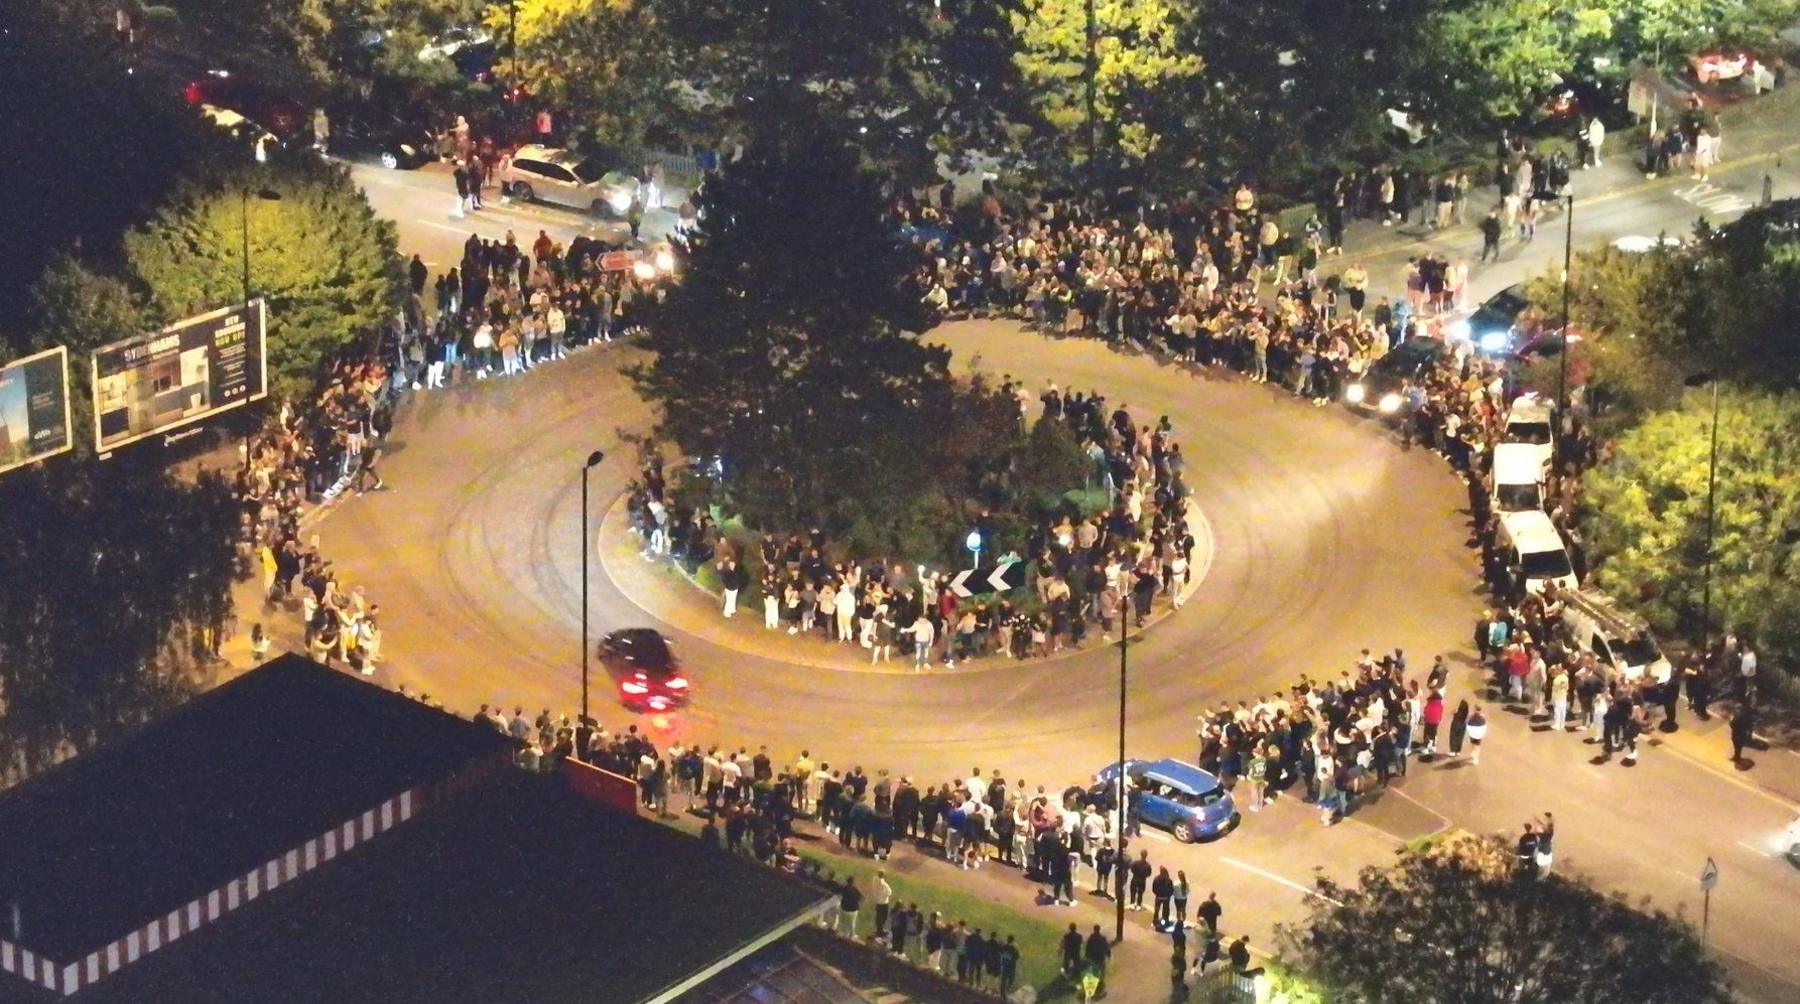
(1459, 328)
(407, 148)
(620, 201)
(1493, 341)
(1355, 393)
(665, 261)
(1389, 404)
(643, 270)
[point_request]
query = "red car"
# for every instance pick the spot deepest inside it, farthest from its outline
(648, 676)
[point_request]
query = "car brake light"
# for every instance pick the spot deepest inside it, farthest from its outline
(678, 683)
(659, 703)
(634, 687)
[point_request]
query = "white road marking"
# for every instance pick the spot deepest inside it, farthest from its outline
(1755, 850)
(1271, 876)
(1153, 835)
(444, 226)
(1594, 772)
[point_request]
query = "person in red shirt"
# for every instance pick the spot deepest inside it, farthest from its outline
(1434, 717)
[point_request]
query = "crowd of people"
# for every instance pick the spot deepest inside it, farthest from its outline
(1089, 573)
(302, 456)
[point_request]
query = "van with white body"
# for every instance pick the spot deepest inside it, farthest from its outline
(1518, 478)
(1618, 639)
(1531, 421)
(1535, 554)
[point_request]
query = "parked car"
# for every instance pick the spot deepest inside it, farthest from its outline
(1790, 843)
(1518, 478)
(1618, 638)
(1535, 553)
(1531, 423)
(281, 115)
(1382, 387)
(260, 140)
(1179, 797)
(391, 141)
(549, 174)
(1711, 67)
(642, 663)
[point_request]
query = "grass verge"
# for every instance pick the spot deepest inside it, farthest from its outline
(1040, 949)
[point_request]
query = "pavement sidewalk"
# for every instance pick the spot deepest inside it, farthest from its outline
(1139, 970)
(1754, 132)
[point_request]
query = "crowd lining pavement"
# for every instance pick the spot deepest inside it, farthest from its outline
(665, 591)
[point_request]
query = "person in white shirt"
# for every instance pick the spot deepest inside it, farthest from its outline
(923, 635)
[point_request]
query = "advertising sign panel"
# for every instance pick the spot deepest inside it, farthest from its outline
(34, 409)
(149, 384)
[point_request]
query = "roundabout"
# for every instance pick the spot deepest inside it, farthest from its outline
(1328, 539)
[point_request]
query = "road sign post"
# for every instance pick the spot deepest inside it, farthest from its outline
(1709, 877)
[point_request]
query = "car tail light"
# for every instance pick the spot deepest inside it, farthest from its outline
(634, 687)
(659, 703)
(678, 683)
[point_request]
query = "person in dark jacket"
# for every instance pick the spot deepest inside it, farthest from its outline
(1071, 951)
(1162, 892)
(1459, 727)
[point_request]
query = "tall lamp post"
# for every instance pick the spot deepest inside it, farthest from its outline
(1712, 485)
(1562, 366)
(1120, 863)
(1092, 72)
(265, 194)
(244, 193)
(593, 461)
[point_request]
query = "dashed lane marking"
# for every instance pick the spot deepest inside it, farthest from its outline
(1280, 880)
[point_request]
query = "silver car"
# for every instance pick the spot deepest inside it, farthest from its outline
(548, 174)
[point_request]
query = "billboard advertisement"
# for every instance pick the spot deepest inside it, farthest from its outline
(34, 409)
(149, 384)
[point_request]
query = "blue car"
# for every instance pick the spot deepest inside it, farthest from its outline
(1179, 797)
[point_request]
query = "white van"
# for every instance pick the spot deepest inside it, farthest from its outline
(1518, 478)
(1532, 421)
(1619, 639)
(1534, 551)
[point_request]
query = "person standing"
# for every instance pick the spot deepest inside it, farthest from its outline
(849, 906)
(731, 581)
(1490, 235)
(1459, 728)
(1559, 699)
(1140, 879)
(1743, 729)
(461, 177)
(884, 901)
(1527, 852)
(1546, 838)
(1098, 951)
(1434, 717)
(1071, 951)
(1181, 899)
(1162, 892)
(1477, 729)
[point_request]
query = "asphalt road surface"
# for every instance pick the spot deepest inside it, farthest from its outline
(1330, 538)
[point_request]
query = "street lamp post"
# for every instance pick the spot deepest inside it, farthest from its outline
(1712, 486)
(1562, 367)
(1120, 862)
(265, 194)
(1092, 68)
(593, 461)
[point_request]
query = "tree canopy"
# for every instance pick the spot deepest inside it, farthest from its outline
(1649, 516)
(1727, 303)
(327, 264)
(792, 368)
(1143, 53)
(1453, 923)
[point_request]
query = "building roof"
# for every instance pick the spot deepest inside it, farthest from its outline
(119, 836)
(518, 890)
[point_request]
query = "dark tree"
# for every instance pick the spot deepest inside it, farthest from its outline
(1456, 923)
(115, 576)
(787, 348)
(120, 143)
